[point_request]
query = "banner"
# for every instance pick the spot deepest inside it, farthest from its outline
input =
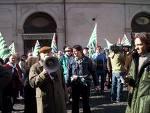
(93, 41)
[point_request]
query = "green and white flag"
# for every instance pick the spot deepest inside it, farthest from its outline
(93, 41)
(4, 50)
(36, 49)
(53, 44)
(125, 41)
(12, 48)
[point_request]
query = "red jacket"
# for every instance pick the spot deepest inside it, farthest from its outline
(16, 75)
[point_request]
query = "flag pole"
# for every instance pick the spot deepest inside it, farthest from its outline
(96, 37)
(94, 19)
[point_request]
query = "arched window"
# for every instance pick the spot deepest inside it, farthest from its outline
(39, 23)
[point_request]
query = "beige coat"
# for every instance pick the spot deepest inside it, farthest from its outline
(50, 95)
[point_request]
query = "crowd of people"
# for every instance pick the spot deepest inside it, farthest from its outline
(49, 82)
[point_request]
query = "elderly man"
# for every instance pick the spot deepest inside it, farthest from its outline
(15, 84)
(50, 96)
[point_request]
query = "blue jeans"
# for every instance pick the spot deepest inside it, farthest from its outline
(117, 86)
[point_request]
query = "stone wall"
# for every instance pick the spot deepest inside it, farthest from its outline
(113, 18)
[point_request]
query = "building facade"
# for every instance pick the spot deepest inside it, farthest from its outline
(25, 21)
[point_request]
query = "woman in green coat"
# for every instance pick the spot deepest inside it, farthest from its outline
(139, 76)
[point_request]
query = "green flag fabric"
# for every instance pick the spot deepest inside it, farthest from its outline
(125, 41)
(53, 44)
(92, 41)
(36, 49)
(4, 50)
(12, 48)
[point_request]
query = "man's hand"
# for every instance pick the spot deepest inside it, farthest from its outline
(97, 88)
(69, 89)
(74, 77)
(44, 70)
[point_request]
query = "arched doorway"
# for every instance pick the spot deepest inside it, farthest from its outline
(38, 26)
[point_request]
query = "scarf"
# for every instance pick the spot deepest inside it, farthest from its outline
(13, 67)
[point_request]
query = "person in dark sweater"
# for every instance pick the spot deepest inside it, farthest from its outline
(29, 92)
(81, 72)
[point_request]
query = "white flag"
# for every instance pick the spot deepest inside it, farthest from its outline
(108, 44)
(36, 48)
(119, 41)
(125, 41)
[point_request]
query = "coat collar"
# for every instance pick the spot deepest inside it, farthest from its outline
(144, 65)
